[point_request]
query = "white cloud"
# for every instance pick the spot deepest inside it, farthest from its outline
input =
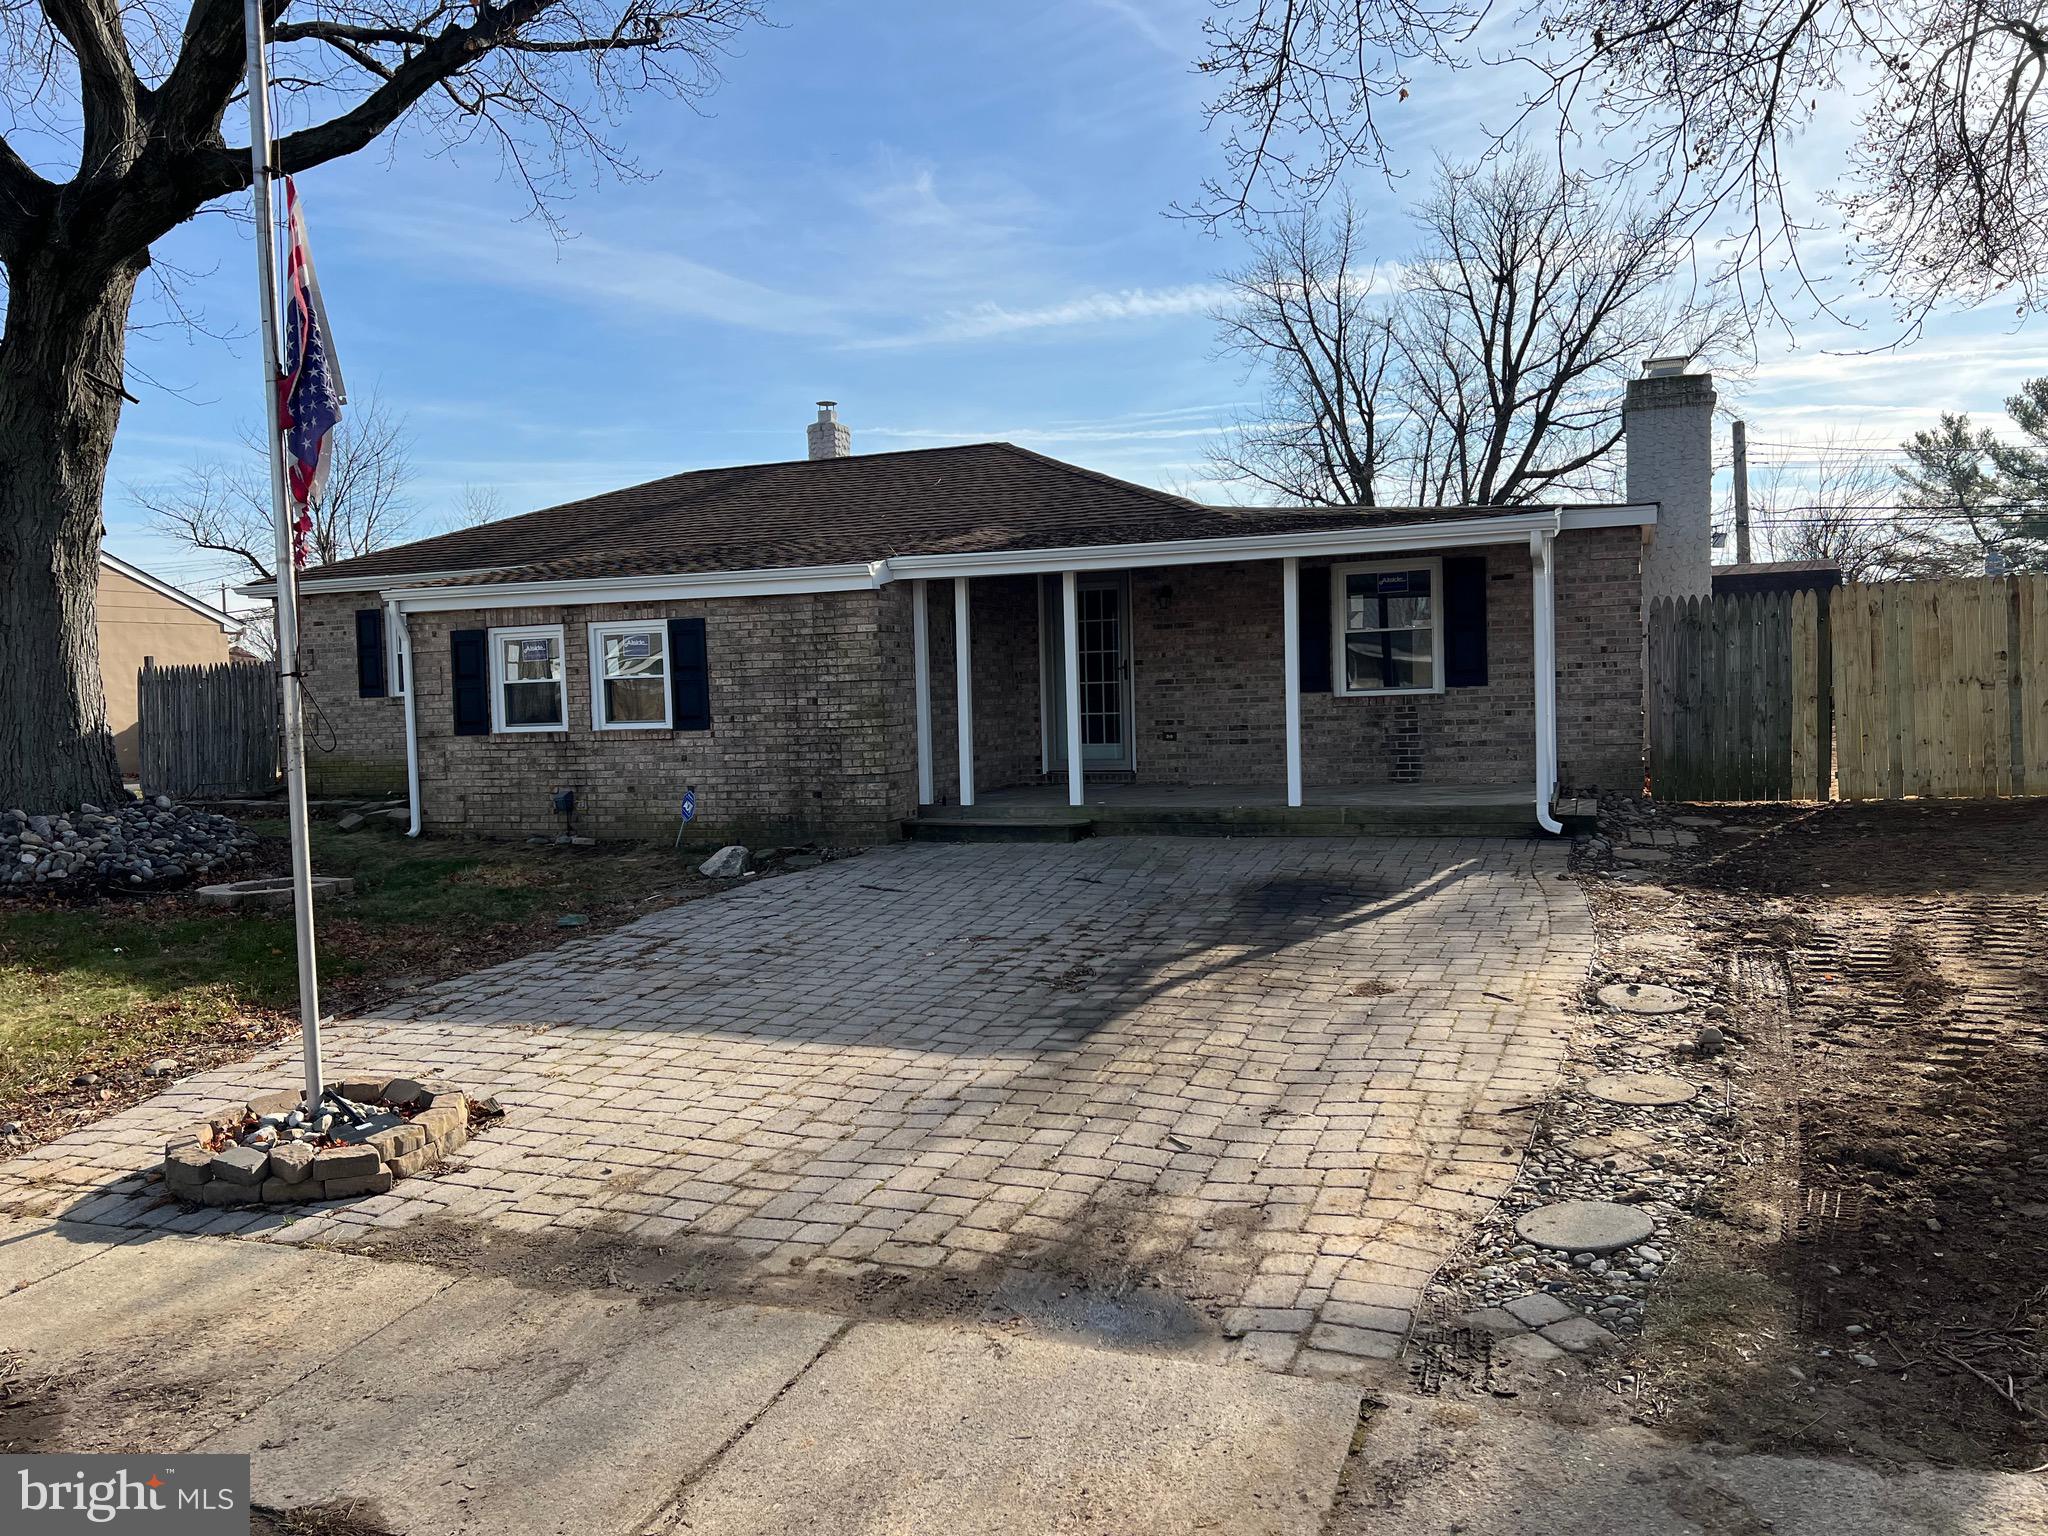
(979, 321)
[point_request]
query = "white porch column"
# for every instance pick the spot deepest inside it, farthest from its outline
(921, 666)
(1070, 648)
(1290, 650)
(963, 687)
(1543, 602)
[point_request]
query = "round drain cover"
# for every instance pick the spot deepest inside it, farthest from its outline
(1641, 1088)
(1584, 1226)
(1644, 997)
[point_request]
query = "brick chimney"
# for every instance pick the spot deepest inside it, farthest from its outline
(1668, 430)
(829, 440)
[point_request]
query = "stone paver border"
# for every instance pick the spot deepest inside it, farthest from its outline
(207, 1164)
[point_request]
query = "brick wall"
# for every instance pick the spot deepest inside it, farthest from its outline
(810, 726)
(1206, 654)
(1600, 659)
(354, 746)
(1004, 650)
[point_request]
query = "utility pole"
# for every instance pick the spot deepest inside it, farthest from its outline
(1741, 493)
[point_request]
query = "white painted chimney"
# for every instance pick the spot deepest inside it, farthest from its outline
(829, 440)
(1668, 431)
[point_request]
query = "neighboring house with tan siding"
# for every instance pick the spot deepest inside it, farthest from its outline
(143, 618)
(850, 646)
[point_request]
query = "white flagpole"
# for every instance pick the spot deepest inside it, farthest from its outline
(287, 571)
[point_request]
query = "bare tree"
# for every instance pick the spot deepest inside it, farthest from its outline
(1490, 372)
(142, 89)
(1701, 105)
(1834, 503)
(224, 507)
(1318, 322)
(478, 504)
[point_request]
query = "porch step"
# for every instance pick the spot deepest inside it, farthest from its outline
(995, 829)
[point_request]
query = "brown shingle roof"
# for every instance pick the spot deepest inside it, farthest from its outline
(979, 498)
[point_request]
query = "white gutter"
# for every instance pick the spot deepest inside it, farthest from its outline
(268, 589)
(1633, 515)
(1452, 534)
(1542, 574)
(412, 729)
(773, 582)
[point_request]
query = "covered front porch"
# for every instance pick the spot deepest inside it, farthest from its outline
(1038, 812)
(1397, 679)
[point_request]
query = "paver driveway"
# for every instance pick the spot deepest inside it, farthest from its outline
(1260, 1085)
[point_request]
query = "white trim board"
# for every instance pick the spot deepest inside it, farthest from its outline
(228, 622)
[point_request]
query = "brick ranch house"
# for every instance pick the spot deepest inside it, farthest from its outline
(839, 645)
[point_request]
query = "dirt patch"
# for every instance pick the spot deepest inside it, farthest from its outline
(350, 1519)
(32, 1411)
(1874, 1278)
(1123, 1275)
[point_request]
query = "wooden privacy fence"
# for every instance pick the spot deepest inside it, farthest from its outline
(208, 730)
(1941, 688)
(1883, 690)
(1736, 704)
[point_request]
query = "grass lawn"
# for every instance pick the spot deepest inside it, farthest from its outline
(104, 989)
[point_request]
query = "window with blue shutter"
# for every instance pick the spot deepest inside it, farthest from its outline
(370, 670)
(1314, 616)
(689, 676)
(1465, 621)
(470, 679)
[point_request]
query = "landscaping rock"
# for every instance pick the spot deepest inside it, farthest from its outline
(240, 1165)
(333, 1163)
(292, 1162)
(350, 822)
(137, 846)
(187, 1168)
(163, 1066)
(729, 863)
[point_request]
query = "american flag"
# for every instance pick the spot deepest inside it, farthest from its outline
(310, 391)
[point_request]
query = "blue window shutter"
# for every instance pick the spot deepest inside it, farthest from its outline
(370, 653)
(470, 675)
(1315, 630)
(689, 675)
(1465, 621)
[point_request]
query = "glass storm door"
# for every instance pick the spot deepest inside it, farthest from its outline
(1103, 605)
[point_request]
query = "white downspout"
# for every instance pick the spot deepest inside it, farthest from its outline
(412, 731)
(1543, 602)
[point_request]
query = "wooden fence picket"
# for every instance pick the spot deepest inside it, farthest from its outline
(208, 730)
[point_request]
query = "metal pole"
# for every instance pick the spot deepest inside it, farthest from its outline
(1741, 493)
(287, 573)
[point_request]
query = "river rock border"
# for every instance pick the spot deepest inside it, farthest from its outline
(210, 1164)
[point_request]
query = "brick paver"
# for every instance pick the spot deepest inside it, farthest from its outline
(1282, 1074)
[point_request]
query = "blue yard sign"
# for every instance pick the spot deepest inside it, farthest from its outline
(690, 803)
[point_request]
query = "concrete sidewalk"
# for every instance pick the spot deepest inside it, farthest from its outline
(443, 1405)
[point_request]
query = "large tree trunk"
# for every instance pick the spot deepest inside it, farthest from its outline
(60, 400)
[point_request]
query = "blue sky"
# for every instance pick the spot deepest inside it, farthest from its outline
(949, 218)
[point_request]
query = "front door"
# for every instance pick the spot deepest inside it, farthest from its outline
(1103, 603)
